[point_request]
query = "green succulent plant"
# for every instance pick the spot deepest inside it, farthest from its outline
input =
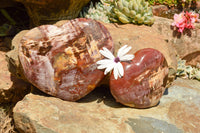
(187, 71)
(174, 3)
(170, 3)
(133, 11)
(124, 11)
(97, 11)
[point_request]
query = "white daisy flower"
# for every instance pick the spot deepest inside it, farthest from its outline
(114, 62)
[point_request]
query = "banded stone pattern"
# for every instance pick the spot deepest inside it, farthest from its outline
(61, 61)
(144, 80)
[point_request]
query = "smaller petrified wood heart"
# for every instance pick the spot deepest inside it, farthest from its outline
(61, 61)
(144, 80)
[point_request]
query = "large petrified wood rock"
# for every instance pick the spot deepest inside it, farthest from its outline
(61, 61)
(144, 80)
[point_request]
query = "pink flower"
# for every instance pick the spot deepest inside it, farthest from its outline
(185, 20)
(189, 23)
(194, 17)
(180, 21)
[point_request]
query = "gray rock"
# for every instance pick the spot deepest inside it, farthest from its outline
(177, 112)
(151, 125)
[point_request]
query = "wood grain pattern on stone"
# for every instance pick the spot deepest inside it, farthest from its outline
(144, 80)
(61, 61)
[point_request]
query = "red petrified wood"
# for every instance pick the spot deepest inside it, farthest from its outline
(61, 61)
(144, 80)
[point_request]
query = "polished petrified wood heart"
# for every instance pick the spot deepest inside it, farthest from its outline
(144, 80)
(61, 61)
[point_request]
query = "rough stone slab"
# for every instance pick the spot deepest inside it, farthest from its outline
(12, 89)
(186, 44)
(6, 124)
(12, 56)
(177, 112)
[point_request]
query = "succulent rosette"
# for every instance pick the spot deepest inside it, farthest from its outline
(123, 11)
(133, 11)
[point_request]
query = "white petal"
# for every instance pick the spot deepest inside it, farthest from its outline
(102, 66)
(115, 72)
(109, 68)
(105, 52)
(127, 57)
(104, 61)
(123, 50)
(118, 70)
